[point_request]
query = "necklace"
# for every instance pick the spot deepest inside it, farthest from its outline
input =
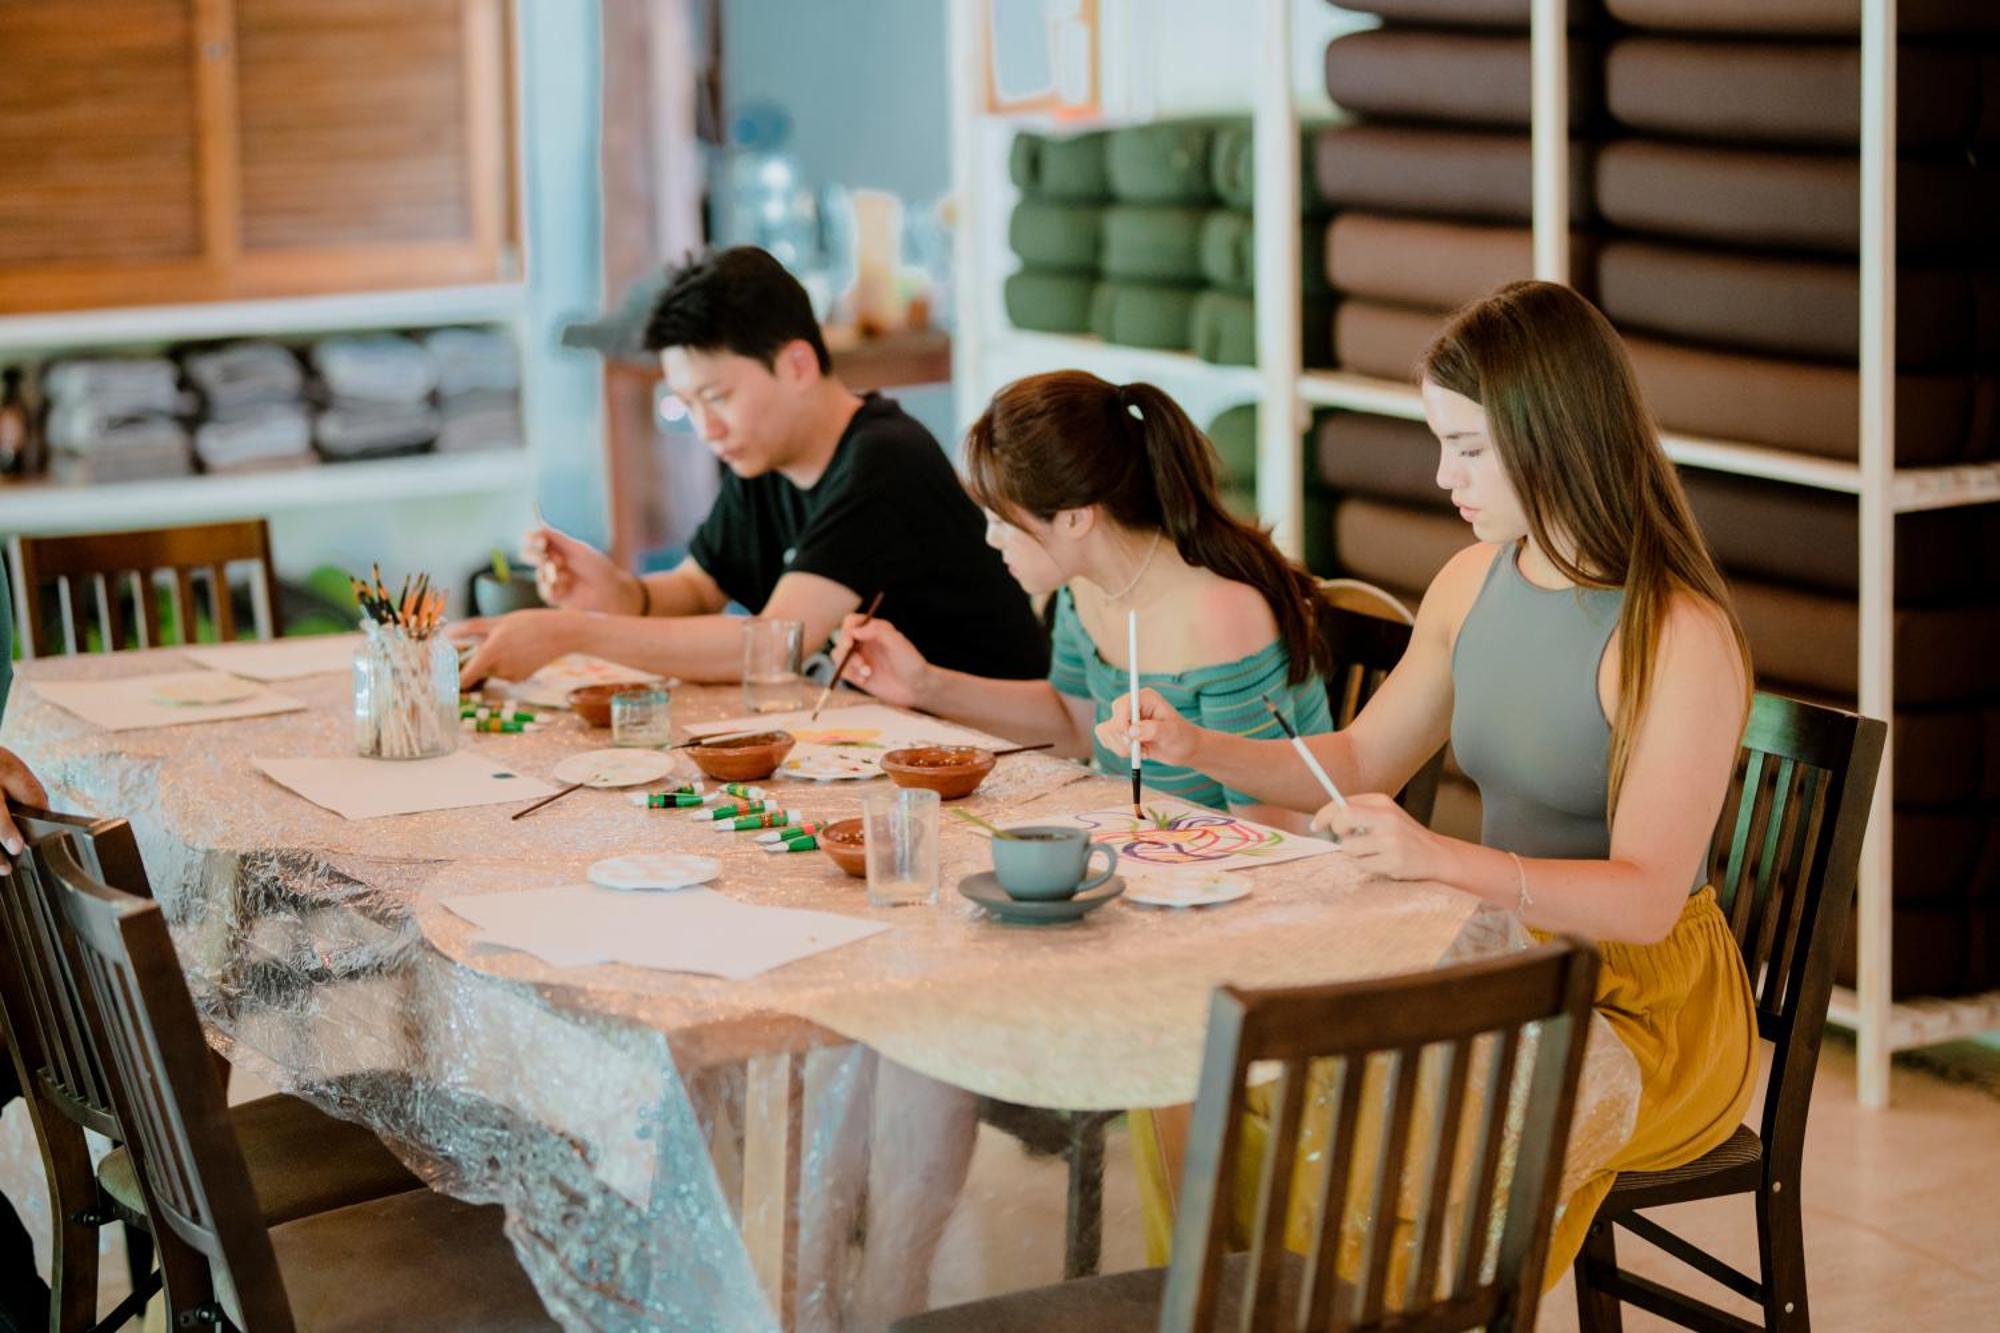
(1144, 565)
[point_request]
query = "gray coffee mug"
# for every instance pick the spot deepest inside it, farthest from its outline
(1045, 862)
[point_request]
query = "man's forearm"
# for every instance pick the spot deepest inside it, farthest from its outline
(668, 594)
(697, 648)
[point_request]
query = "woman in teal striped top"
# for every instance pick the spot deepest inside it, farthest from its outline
(1106, 496)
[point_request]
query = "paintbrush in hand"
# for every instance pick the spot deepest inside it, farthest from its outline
(1132, 715)
(1305, 753)
(874, 605)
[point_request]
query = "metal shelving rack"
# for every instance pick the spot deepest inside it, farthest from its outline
(986, 352)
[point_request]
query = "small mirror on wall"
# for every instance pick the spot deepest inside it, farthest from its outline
(1041, 56)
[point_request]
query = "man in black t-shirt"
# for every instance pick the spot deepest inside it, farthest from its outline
(830, 498)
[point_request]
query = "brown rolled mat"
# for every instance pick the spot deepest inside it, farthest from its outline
(1464, 78)
(1942, 949)
(1385, 341)
(1805, 406)
(1793, 306)
(1790, 200)
(1774, 95)
(1466, 13)
(1395, 545)
(1944, 654)
(1381, 458)
(1476, 174)
(1430, 264)
(1802, 18)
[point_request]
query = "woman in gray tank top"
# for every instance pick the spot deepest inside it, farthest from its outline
(1585, 663)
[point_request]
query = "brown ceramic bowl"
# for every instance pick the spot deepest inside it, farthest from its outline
(744, 759)
(592, 703)
(951, 771)
(845, 846)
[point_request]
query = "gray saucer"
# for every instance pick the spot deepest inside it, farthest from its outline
(984, 889)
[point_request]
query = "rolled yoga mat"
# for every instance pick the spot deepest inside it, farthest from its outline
(1466, 13)
(1476, 175)
(1802, 18)
(1788, 200)
(1062, 237)
(1433, 265)
(1456, 78)
(1225, 330)
(1163, 163)
(1046, 302)
(1232, 166)
(1799, 94)
(1229, 252)
(1135, 314)
(1069, 169)
(1153, 242)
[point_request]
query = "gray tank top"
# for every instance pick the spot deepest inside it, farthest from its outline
(1526, 723)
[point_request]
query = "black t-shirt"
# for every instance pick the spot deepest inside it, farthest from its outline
(888, 515)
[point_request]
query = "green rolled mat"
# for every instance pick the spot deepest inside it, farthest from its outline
(1234, 435)
(1225, 330)
(1229, 252)
(1069, 169)
(1139, 314)
(1232, 167)
(1153, 243)
(1048, 302)
(1164, 163)
(1049, 235)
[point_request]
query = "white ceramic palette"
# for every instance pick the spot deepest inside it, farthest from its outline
(615, 768)
(653, 870)
(1192, 886)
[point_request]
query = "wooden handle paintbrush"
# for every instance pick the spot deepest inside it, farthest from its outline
(874, 605)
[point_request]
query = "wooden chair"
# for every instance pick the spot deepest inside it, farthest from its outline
(1471, 1017)
(1784, 869)
(1367, 631)
(302, 1161)
(416, 1259)
(109, 565)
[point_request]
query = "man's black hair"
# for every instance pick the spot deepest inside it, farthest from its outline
(738, 300)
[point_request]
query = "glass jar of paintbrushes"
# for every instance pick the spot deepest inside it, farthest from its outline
(405, 673)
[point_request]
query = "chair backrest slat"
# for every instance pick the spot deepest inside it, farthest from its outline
(198, 1193)
(1789, 852)
(92, 573)
(1393, 1023)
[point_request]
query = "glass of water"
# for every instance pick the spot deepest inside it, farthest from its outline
(642, 719)
(771, 679)
(900, 826)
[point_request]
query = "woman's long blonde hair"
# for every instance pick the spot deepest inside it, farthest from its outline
(1602, 500)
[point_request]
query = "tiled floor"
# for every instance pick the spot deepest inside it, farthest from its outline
(1902, 1216)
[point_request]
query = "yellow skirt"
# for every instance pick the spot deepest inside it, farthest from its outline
(1683, 1007)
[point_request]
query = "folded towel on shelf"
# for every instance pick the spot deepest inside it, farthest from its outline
(86, 425)
(115, 384)
(144, 450)
(1052, 235)
(1771, 95)
(233, 377)
(1043, 301)
(381, 368)
(1462, 78)
(360, 429)
(467, 360)
(271, 463)
(479, 421)
(1480, 175)
(1788, 200)
(267, 431)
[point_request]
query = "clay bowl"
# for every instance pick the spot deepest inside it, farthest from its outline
(744, 759)
(845, 846)
(592, 703)
(951, 771)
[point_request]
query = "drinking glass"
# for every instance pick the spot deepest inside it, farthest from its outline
(900, 828)
(771, 679)
(642, 719)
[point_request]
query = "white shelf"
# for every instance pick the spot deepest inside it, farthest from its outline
(1922, 1022)
(487, 303)
(39, 508)
(1058, 351)
(1361, 393)
(1944, 487)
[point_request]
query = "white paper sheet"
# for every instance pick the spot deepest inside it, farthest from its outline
(864, 729)
(131, 704)
(282, 659)
(360, 788)
(694, 930)
(550, 687)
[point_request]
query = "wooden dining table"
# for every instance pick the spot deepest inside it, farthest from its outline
(658, 1138)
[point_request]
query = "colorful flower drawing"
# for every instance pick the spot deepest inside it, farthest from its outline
(1182, 838)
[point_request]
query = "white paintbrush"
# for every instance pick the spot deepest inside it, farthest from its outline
(1305, 754)
(1132, 716)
